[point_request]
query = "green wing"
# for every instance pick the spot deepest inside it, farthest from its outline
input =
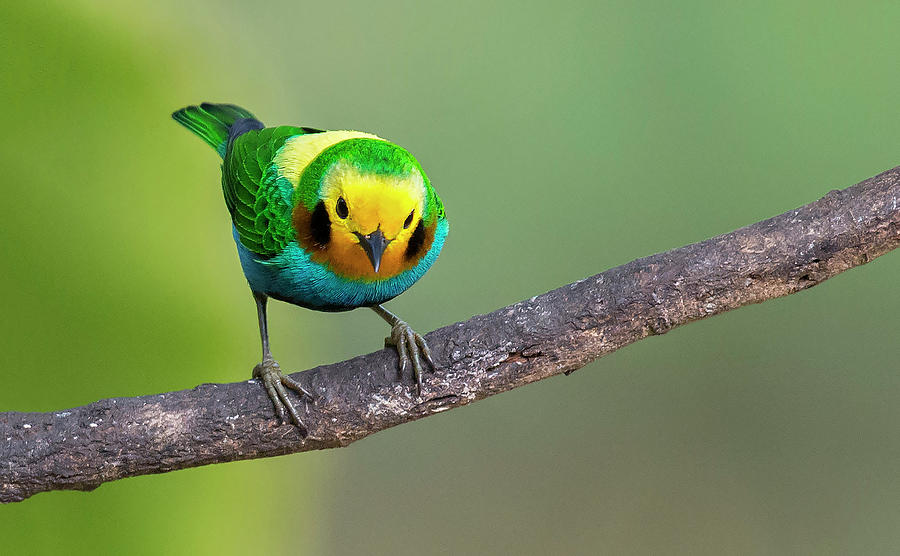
(258, 198)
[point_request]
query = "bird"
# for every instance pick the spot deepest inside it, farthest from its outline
(325, 220)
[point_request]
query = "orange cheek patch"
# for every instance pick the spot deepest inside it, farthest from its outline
(348, 259)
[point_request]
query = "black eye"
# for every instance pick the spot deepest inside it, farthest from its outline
(341, 208)
(408, 219)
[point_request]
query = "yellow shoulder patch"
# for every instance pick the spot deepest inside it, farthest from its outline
(299, 151)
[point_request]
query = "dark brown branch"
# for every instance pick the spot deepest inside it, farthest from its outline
(556, 332)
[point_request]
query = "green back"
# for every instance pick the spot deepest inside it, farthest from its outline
(258, 198)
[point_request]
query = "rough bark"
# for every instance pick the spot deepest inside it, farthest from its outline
(553, 333)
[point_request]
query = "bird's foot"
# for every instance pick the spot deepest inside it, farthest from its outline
(269, 372)
(411, 348)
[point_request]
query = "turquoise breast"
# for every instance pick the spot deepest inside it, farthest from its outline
(293, 277)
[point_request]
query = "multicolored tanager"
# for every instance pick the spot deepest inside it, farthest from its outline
(327, 220)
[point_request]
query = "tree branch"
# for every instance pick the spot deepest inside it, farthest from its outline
(556, 332)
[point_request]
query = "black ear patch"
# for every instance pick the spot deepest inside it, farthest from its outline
(416, 242)
(320, 225)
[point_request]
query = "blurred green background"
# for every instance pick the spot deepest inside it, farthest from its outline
(565, 138)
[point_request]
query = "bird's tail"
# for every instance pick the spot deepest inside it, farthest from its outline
(215, 123)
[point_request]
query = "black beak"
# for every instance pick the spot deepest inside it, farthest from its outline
(374, 245)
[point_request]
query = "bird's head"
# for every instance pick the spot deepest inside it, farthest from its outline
(373, 212)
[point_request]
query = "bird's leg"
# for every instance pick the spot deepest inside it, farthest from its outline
(269, 372)
(411, 347)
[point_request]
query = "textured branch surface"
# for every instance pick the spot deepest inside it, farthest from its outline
(556, 332)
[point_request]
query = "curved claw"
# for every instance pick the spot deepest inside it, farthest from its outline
(275, 382)
(411, 348)
(426, 351)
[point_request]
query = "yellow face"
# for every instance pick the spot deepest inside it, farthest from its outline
(360, 205)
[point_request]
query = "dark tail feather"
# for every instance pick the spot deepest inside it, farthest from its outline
(217, 124)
